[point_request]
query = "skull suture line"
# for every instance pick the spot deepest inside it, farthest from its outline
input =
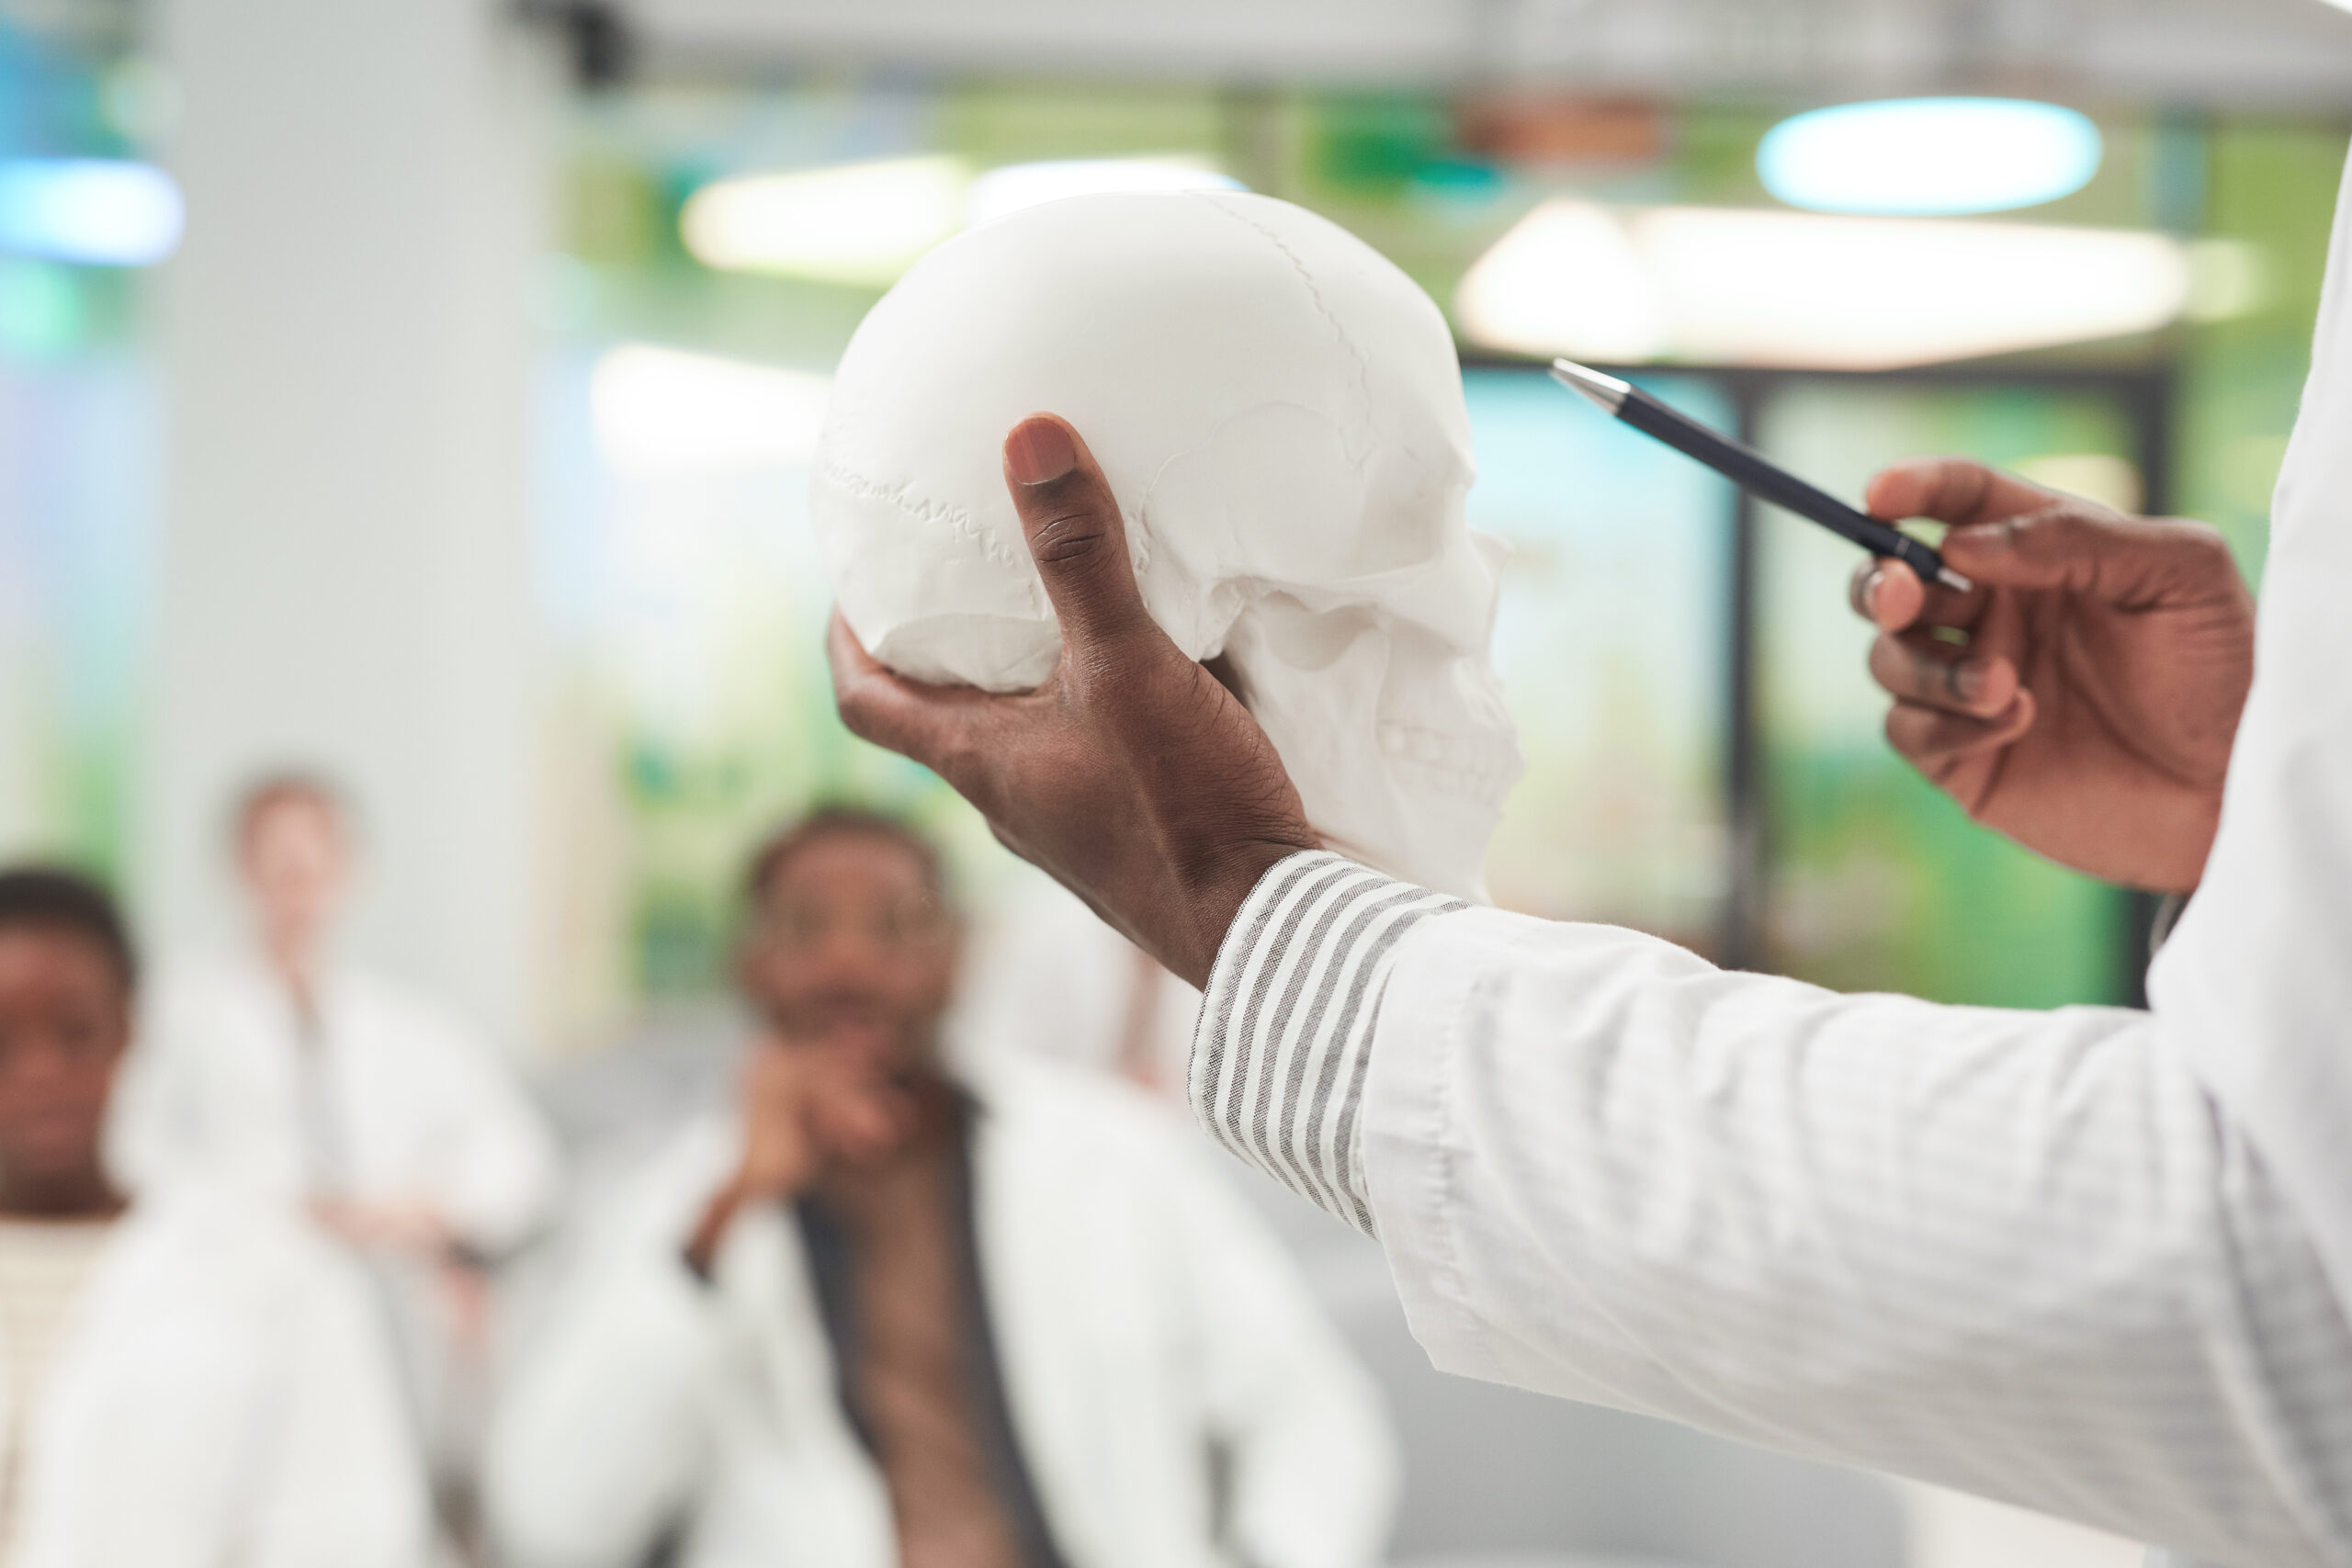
(1279, 412)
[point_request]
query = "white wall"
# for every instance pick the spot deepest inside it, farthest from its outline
(346, 348)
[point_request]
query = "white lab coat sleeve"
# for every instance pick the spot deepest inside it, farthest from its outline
(595, 1448)
(2024, 1254)
(2255, 987)
(1312, 1468)
(501, 1172)
(341, 1480)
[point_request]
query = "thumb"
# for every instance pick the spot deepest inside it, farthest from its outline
(2080, 549)
(1075, 532)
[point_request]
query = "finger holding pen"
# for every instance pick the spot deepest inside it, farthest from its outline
(2082, 697)
(1935, 646)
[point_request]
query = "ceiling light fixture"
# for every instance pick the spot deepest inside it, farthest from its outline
(1738, 287)
(865, 224)
(1016, 185)
(1567, 274)
(853, 223)
(1929, 157)
(93, 211)
(662, 413)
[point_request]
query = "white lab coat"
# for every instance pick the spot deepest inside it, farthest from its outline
(2092, 1262)
(2254, 987)
(1142, 1318)
(424, 1108)
(220, 1398)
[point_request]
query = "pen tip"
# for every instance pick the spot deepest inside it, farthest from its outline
(1606, 390)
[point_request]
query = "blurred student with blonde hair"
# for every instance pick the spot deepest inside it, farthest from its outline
(289, 1073)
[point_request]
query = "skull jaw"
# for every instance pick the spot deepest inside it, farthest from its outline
(1399, 746)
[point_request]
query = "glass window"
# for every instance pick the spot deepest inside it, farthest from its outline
(1874, 880)
(1611, 638)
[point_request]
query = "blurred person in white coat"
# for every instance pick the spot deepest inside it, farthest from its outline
(193, 1379)
(1049, 979)
(892, 1311)
(2095, 1261)
(286, 1072)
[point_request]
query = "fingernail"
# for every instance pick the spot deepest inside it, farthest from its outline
(1039, 451)
(1968, 680)
(1871, 585)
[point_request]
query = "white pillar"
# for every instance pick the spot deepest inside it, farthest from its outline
(346, 347)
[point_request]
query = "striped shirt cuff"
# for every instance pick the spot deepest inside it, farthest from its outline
(1285, 1030)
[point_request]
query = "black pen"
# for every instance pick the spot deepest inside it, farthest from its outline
(1752, 472)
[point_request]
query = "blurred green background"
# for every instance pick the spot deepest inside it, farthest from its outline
(682, 609)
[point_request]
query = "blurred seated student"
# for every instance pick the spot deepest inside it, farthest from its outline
(891, 1311)
(289, 1072)
(191, 1379)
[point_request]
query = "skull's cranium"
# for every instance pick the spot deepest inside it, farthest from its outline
(1279, 412)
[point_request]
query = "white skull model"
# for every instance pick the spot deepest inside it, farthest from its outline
(1279, 412)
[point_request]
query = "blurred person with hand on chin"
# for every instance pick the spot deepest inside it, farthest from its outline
(2092, 1262)
(190, 1379)
(289, 1073)
(899, 1308)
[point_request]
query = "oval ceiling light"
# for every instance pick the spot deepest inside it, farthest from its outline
(93, 211)
(1016, 185)
(1929, 157)
(1737, 285)
(855, 223)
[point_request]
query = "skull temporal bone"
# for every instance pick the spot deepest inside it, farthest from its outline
(1279, 412)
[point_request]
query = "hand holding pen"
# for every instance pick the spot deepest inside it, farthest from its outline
(2082, 696)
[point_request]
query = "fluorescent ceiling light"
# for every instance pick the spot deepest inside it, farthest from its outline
(1016, 185)
(1567, 274)
(867, 224)
(1929, 157)
(1738, 287)
(94, 211)
(855, 223)
(658, 412)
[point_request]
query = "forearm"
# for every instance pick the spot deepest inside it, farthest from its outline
(504, 1174)
(2014, 1253)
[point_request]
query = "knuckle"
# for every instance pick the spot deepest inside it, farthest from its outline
(2064, 527)
(1962, 485)
(2204, 542)
(1064, 538)
(2061, 520)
